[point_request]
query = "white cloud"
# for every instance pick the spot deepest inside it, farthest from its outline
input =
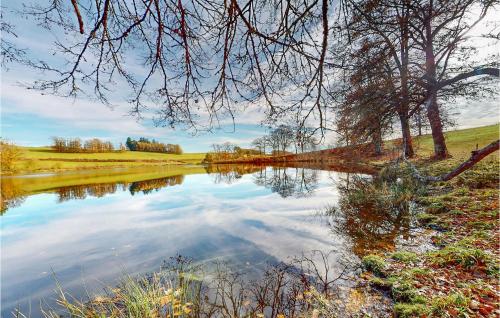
(80, 113)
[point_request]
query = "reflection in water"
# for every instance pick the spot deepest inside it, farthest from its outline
(229, 173)
(10, 195)
(81, 192)
(92, 241)
(286, 181)
(99, 190)
(147, 186)
(298, 182)
(246, 220)
(371, 214)
(13, 193)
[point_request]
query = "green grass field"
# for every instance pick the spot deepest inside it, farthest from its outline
(40, 159)
(460, 142)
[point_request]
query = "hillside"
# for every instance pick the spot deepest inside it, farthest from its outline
(460, 143)
(39, 159)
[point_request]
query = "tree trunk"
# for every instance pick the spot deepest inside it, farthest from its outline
(419, 122)
(377, 141)
(407, 142)
(475, 157)
(440, 151)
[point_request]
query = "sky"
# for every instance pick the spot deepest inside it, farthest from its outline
(30, 118)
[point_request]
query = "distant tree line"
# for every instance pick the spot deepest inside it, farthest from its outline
(144, 144)
(76, 145)
(227, 151)
(281, 140)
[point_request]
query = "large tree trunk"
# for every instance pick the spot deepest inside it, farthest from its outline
(405, 98)
(440, 151)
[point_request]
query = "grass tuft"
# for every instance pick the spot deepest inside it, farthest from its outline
(375, 264)
(459, 253)
(403, 310)
(404, 256)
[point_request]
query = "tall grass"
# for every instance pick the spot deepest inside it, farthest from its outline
(180, 290)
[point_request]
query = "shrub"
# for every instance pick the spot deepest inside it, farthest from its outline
(459, 254)
(9, 154)
(458, 301)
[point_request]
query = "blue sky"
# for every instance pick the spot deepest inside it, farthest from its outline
(31, 119)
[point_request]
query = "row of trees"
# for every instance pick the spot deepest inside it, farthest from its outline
(227, 151)
(279, 141)
(144, 144)
(76, 145)
(284, 138)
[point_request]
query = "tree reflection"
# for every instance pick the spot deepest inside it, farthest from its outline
(227, 173)
(148, 186)
(287, 182)
(10, 195)
(371, 214)
(80, 192)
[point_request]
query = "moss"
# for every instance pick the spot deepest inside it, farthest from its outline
(481, 225)
(459, 254)
(375, 264)
(403, 291)
(411, 273)
(436, 208)
(380, 283)
(404, 256)
(457, 301)
(457, 212)
(410, 310)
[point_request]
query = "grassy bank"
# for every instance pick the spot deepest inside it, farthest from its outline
(41, 159)
(458, 277)
(459, 142)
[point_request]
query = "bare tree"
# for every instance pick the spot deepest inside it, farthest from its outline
(385, 23)
(282, 137)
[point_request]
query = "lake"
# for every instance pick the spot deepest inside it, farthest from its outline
(89, 228)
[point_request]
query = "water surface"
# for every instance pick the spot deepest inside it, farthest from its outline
(89, 228)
